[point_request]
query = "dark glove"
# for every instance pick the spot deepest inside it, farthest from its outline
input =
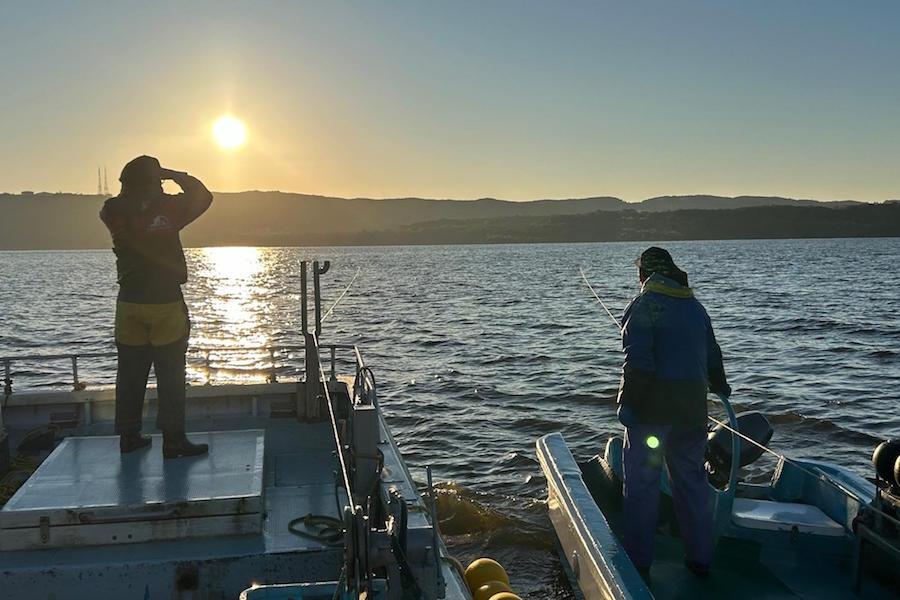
(718, 384)
(636, 391)
(725, 391)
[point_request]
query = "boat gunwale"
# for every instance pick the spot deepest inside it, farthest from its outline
(628, 582)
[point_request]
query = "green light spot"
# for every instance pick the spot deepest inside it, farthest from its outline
(653, 442)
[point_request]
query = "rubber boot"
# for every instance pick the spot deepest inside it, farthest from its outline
(129, 442)
(697, 568)
(176, 445)
(644, 572)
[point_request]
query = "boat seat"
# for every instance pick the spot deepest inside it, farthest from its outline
(783, 516)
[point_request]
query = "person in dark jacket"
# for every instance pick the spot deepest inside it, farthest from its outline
(672, 360)
(152, 325)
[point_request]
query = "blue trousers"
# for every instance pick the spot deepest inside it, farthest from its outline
(683, 450)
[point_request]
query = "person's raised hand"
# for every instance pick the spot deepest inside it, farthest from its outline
(170, 174)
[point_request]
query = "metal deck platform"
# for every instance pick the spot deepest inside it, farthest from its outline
(86, 493)
(297, 479)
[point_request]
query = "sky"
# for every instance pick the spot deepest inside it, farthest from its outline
(517, 100)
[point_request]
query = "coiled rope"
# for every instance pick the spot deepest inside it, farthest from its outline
(20, 469)
(320, 528)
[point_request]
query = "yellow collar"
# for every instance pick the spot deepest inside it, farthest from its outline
(669, 290)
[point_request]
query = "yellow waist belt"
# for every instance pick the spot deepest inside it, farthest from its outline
(154, 324)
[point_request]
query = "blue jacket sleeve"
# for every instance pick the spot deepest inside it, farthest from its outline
(714, 364)
(638, 378)
(637, 337)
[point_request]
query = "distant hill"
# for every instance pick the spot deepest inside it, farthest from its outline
(667, 203)
(51, 221)
(60, 221)
(248, 216)
(762, 222)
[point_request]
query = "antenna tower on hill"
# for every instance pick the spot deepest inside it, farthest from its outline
(102, 184)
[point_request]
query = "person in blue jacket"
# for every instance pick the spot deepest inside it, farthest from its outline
(671, 361)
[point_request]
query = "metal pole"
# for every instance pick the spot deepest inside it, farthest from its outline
(435, 540)
(310, 408)
(75, 383)
(7, 390)
(333, 374)
(318, 298)
(7, 377)
(273, 376)
(303, 316)
(316, 273)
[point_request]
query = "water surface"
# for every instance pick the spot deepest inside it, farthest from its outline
(478, 350)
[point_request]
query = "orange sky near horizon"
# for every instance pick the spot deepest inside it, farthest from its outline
(465, 100)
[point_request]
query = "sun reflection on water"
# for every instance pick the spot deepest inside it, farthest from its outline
(226, 313)
(234, 262)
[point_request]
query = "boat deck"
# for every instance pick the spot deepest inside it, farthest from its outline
(296, 479)
(737, 572)
(744, 568)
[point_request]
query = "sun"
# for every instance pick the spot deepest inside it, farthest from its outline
(229, 132)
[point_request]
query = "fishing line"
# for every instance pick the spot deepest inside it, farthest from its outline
(341, 297)
(603, 304)
(819, 476)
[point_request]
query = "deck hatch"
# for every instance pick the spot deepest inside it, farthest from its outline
(86, 493)
(784, 516)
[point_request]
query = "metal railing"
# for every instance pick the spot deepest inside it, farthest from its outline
(276, 361)
(724, 499)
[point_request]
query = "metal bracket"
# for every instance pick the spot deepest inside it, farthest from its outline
(432, 500)
(45, 529)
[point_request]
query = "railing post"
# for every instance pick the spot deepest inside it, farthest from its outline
(76, 385)
(304, 318)
(7, 377)
(333, 366)
(310, 406)
(311, 366)
(317, 271)
(273, 378)
(7, 392)
(317, 298)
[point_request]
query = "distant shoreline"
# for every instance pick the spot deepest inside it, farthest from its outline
(445, 245)
(63, 222)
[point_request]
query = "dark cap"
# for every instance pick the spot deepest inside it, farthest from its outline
(142, 170)
(655, 259)
(658, 260)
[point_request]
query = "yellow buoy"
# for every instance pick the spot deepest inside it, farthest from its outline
(490, 589)
(505, 596)
(483, 570)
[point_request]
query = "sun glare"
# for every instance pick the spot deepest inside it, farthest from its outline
(230, 133)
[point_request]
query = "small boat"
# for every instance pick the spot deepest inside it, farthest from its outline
(816, 530)
(304, 492)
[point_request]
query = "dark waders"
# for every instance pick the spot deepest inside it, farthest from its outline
(168, 362)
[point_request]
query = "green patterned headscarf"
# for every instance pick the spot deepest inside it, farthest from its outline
(658, 260)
